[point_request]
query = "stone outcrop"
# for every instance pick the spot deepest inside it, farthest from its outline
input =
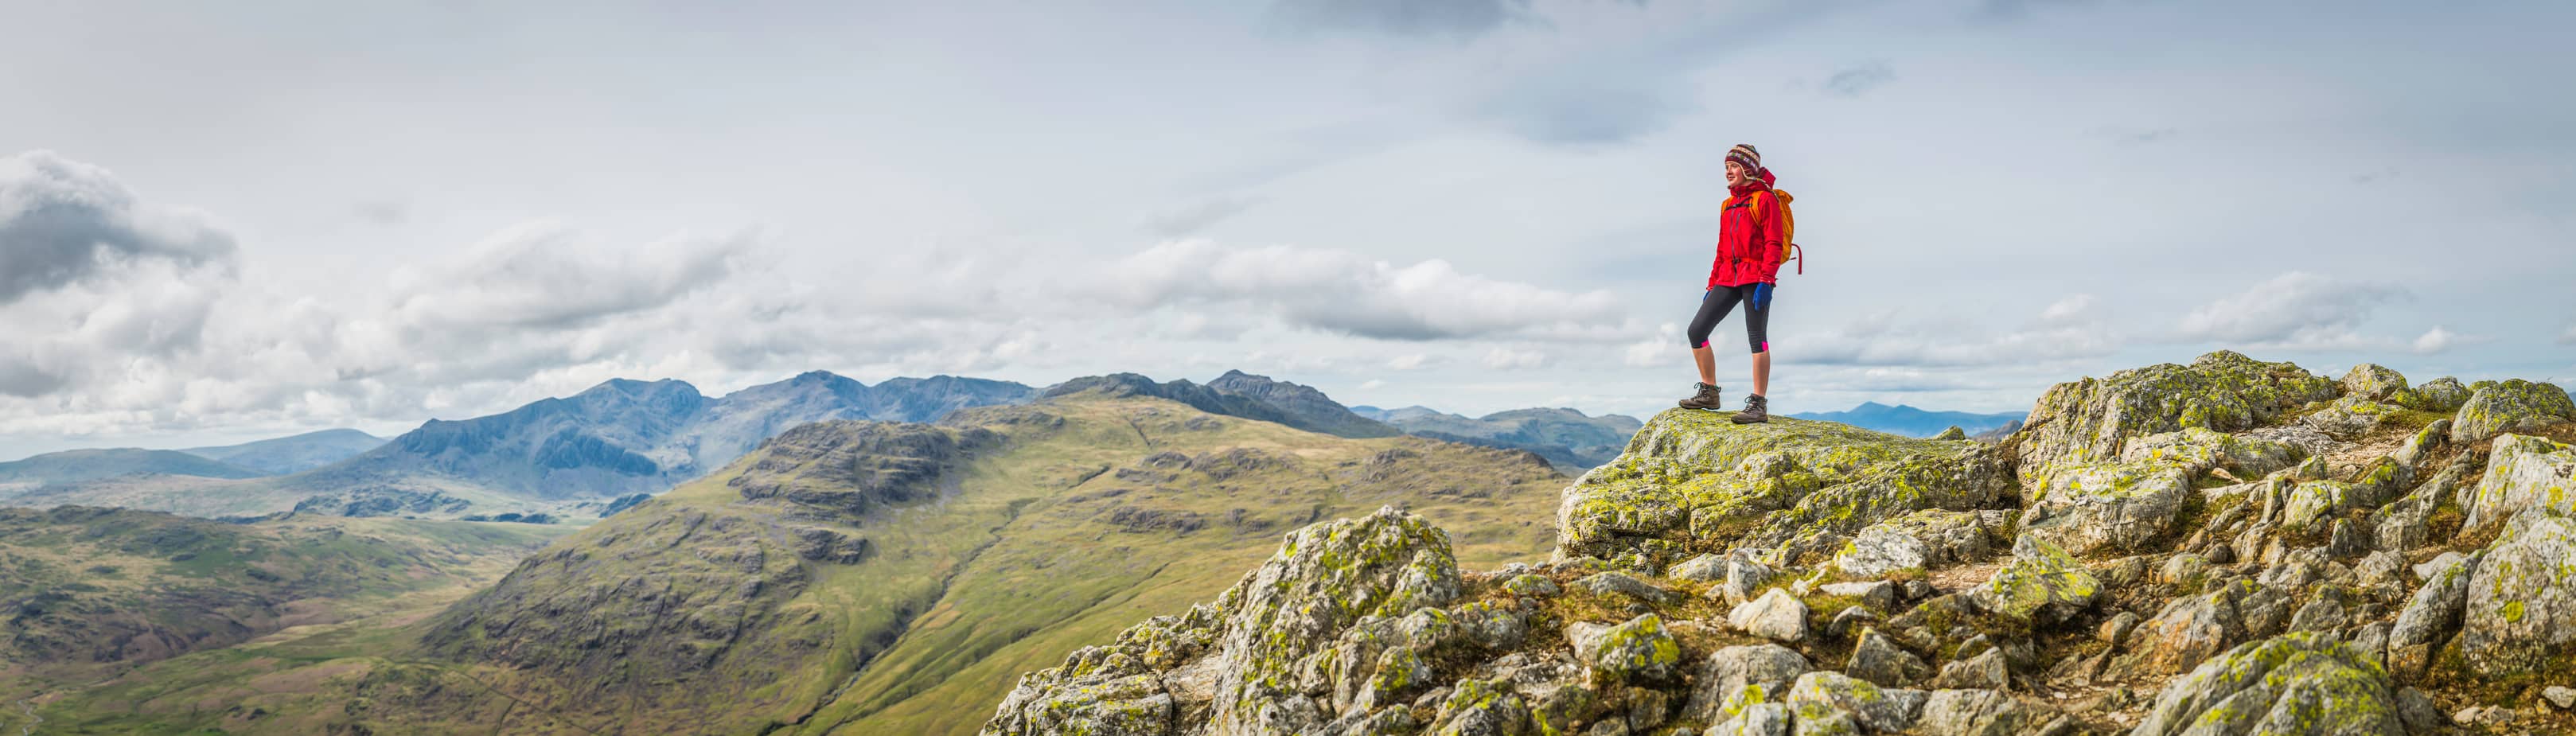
(2228, 546)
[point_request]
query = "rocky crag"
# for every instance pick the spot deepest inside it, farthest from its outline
(2225, 547)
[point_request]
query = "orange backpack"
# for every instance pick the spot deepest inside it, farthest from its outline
(1788, 228)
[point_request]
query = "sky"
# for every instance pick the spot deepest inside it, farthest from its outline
(221, 222)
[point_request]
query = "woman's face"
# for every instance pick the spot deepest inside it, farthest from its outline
(1734, 173)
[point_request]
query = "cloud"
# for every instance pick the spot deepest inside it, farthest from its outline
(2568, 337)
(63, 221)
(1410, 361)
(2293, 311)
(1196, 217)
(1453, 18)
(1501, 358)
(1855, 80)
(1351, 294)
(2440, 339)
(2070, 328)
(542, 275)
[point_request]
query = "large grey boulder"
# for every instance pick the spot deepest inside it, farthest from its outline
(2120, 506)
(1825, 696)
(2304, 683)
(1776, 615)
(2373, 381)
(2513, 405)
(2444, 395)
(1735, 678)
(2430, 617)
(2524, 472)
(1637, 651)
(2200, 450)
(1923, 540)
(2351, 416)
(2040, 585)
(1976, 713)
(1691, 480)
(2090, 420)
(2521, 610)
(1277, 652)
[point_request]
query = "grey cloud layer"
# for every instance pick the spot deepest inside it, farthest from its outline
(63, 221)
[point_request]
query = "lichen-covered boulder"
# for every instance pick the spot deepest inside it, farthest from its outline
(1282, 649)
(2430, 617)
(1825, 695)
(2443, 394)
(2199, 450)
(2306, 683)
(2521, 612)
(1776, 615)
(1738, 677)
(2042, 584)
(1321, 581)
(1759, 719)
(2513, 405)
(2189, 630)
(2351, 416)
(1692, 481)
(2090, 420)
(2373, 381)
(1923, 540)
(1480, 708)
(1129, 688)
(1976, 713)
(2090, 508)
(1637, 651)
(2524, 472)
(1954, 433)
(1877, 659)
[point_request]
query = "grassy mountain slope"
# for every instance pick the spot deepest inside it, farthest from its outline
(560, 456)
(293, 454)
(1567, 438)
(73, 466)
(857, 578)
(89, 594)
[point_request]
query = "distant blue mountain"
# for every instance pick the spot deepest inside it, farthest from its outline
(1567, 438)
(1913, 422)
(293, 454)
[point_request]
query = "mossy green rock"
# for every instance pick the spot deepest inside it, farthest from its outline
(1923, 540)
(2200, 449)
(1325, 578)
(2116, 506)
(2373, 381)
(2444, 394)
(1637, 651)
(2524, 472)
(2090, 420)
(2513, 405)
(2291, 685)
(1693, 482)
(2521, 613)
(1821, 695)
(2041, 585)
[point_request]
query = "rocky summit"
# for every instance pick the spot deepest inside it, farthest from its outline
(2224, 547)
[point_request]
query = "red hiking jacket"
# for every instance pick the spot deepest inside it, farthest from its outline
(1748, 236)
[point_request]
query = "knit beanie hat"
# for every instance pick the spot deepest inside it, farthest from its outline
(1743, 153)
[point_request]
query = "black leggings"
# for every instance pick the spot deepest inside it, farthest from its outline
(1714, 305)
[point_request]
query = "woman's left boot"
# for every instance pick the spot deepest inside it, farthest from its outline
(1756, 410)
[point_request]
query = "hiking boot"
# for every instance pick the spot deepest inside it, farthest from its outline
(1705, 399)
(1756, 409)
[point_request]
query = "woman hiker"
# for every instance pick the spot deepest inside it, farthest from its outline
(1750, 230)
